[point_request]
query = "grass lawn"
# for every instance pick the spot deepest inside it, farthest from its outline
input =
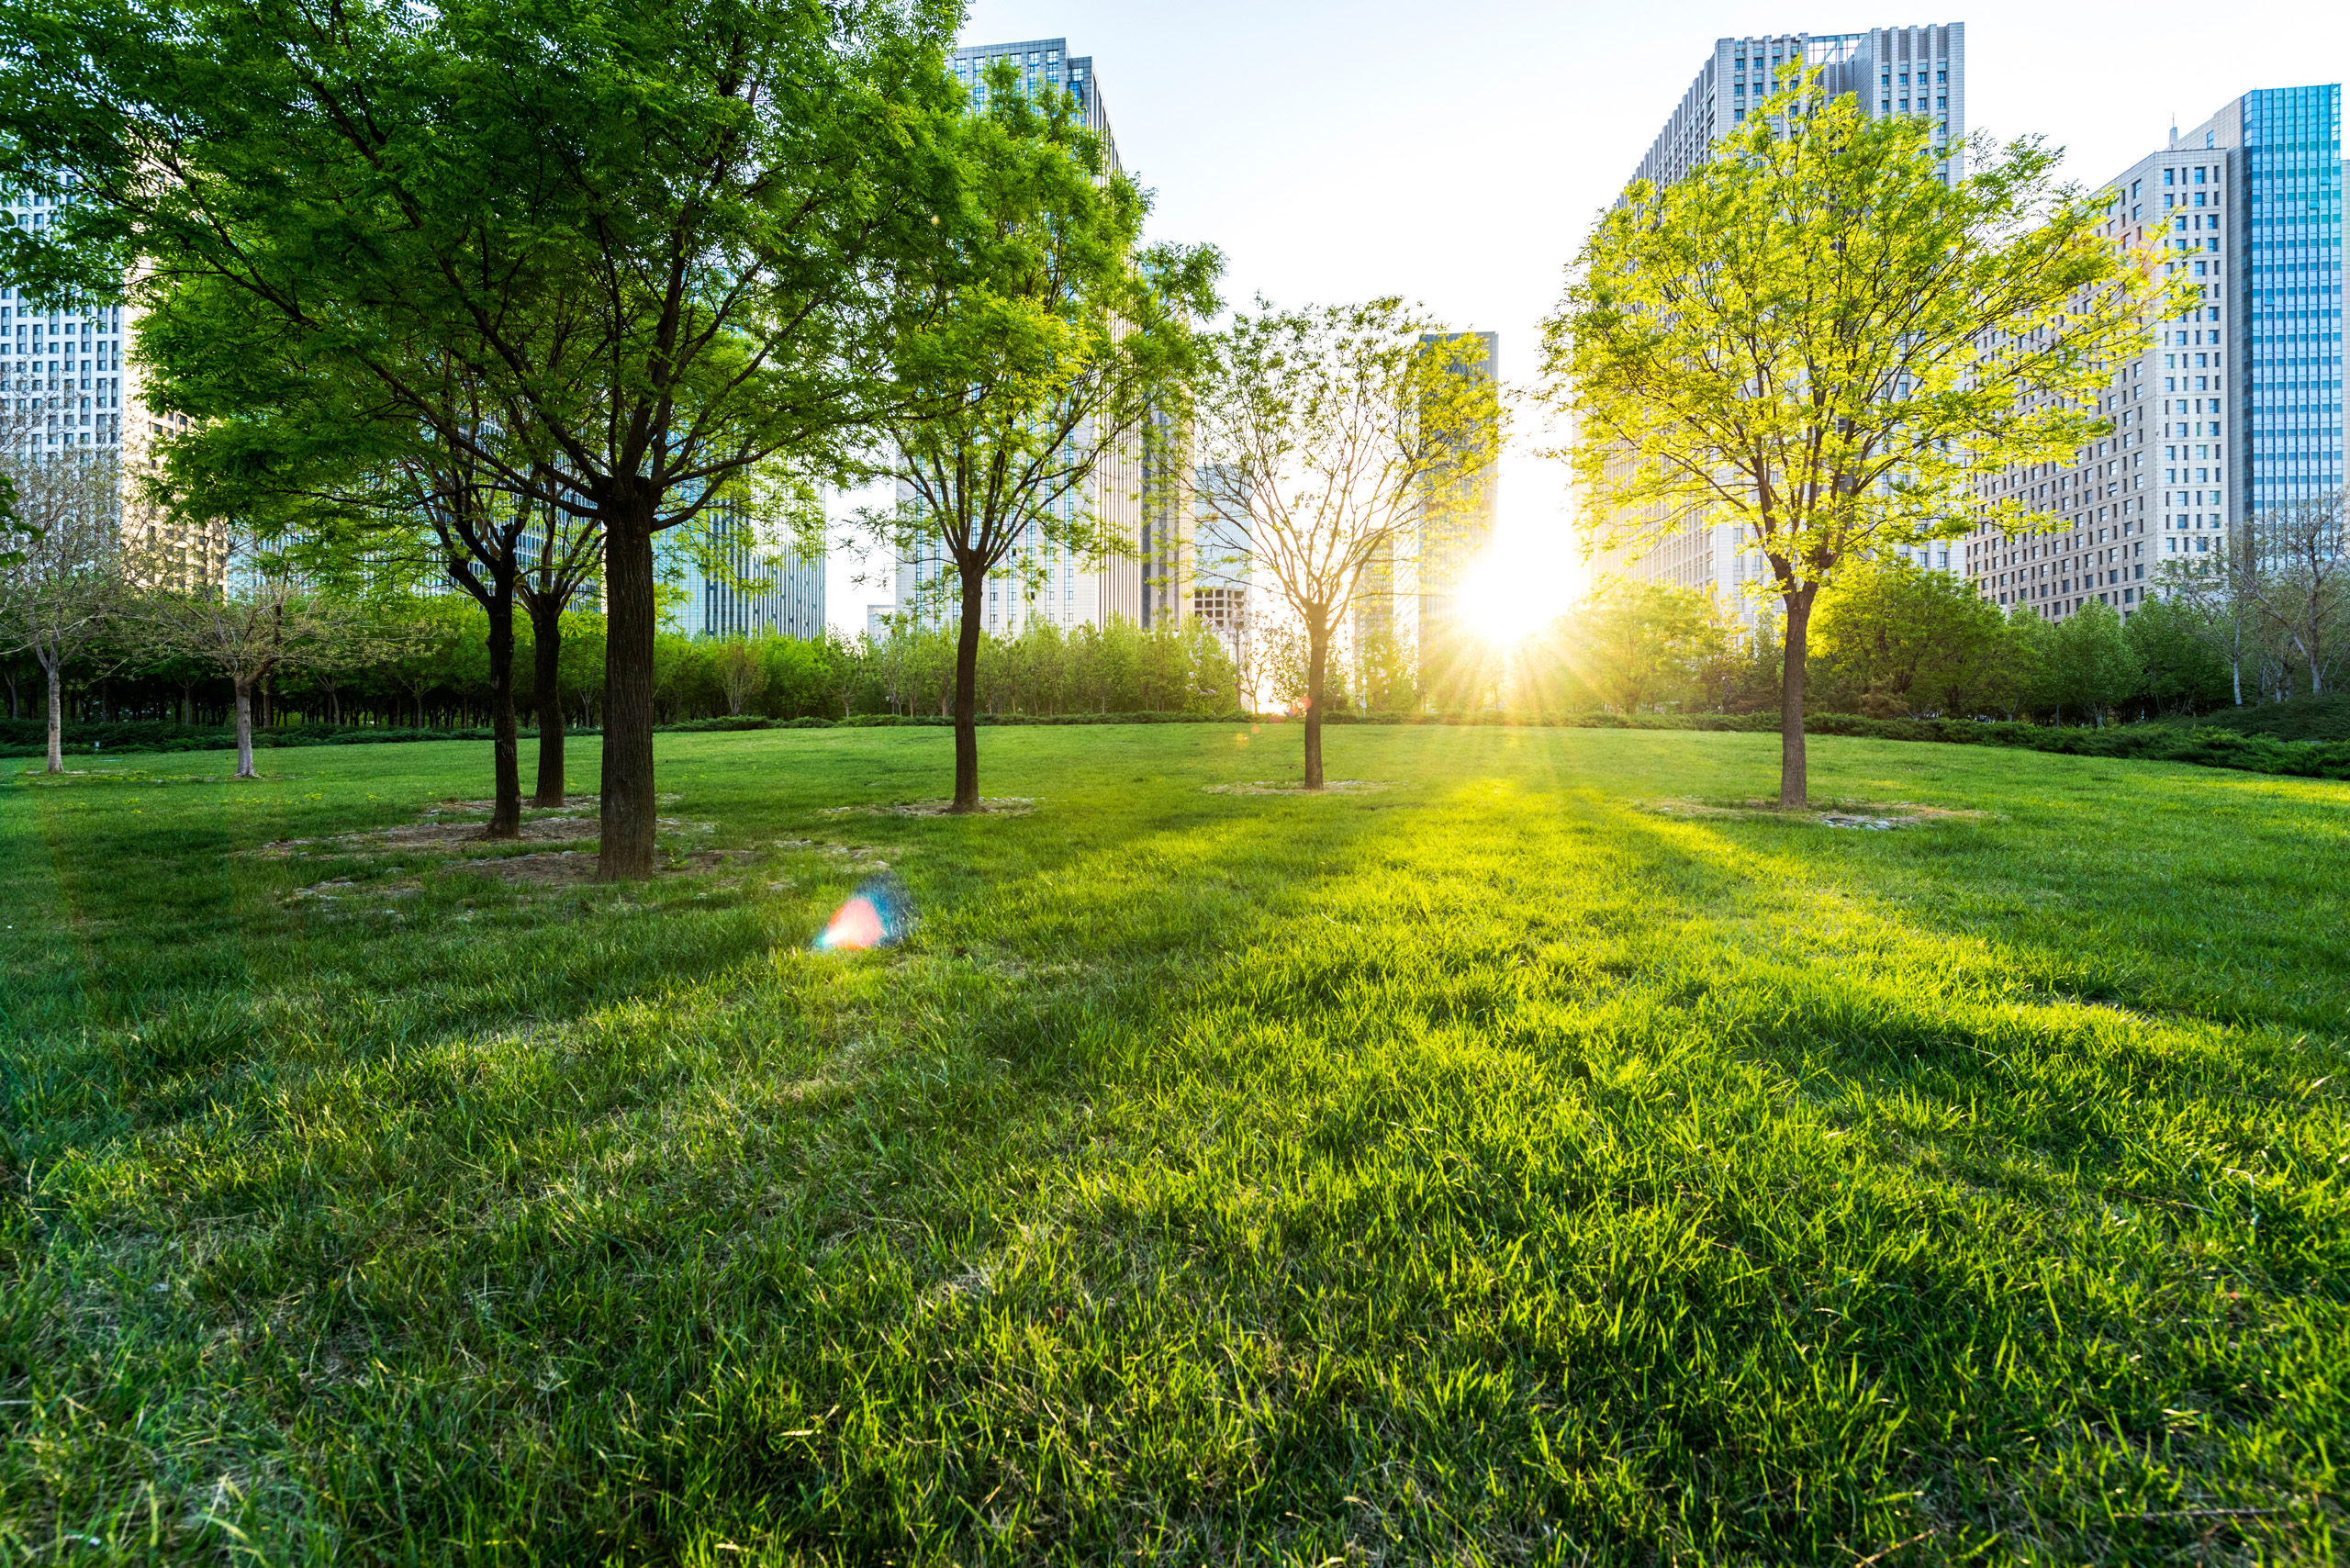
(1483, 1169)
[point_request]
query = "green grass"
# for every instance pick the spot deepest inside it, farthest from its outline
(1484, 1170)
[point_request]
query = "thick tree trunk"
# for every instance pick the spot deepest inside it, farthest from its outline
(505, 803)
(1317, 655)
(244, 727)
(55, 670)
(626, 854)
(967, 711)
(1795, 773)
(546, 636)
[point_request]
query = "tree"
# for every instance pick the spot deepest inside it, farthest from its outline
(1334, 431)
(653, 234)
(1816, 337)
(742, 669)
(260, 621)
(2221, 591)
(2174, 647)
(1049, 342)
(64, 578)
(1646, 645)
(2091, 662)
(2303, 588)
(1925, 639)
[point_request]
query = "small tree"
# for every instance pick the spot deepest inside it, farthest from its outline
(1920, 639)
(742, 668)
(63, 578)
(1049, 342)
(1643, 644)
(1814, 336)
(2223, 590)
(1333, 431)
(2092, 664)
(2302, 589)
(262, 619)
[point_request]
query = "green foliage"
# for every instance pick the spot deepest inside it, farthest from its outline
(1897, 638)
(1481, 1164)
(2092, 664)
(1814, 337)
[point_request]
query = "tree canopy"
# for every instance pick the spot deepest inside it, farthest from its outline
(1816, 337)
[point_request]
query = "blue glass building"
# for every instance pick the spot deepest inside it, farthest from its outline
(2290, 411)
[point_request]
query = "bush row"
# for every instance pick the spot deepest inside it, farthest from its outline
(2205, 746)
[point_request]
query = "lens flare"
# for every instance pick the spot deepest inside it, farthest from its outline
(876, 915)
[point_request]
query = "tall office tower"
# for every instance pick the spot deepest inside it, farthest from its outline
(2233, 406)
(1037, 581)
(69, 386)
(1457, 505)
(733, 585)
(1167, 565)
(1411, 585)
(1223, 553)
(1892, 71)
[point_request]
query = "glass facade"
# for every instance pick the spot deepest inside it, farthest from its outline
(2291, 190)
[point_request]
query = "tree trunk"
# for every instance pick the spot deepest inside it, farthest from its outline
(1795, 773)
(546, 636)
(54, 668)
(1318, 655)
(626, 851)
(244, 727)
(505, 803)
(966, 679)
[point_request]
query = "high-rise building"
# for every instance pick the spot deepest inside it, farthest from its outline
(730, 584)
(67, 383)
(1457, 505)
(1222, 550)
(1919, 71)
(2233, 406)
(1038, 580)
(1410, 588)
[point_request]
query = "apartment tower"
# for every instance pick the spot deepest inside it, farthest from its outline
(2234, 406)
(1917, 70)
(1038, 581)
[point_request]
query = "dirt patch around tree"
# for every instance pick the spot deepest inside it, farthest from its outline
(1292, 787)
(1868, 816)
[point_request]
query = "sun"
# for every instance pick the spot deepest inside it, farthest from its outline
(1508, 594)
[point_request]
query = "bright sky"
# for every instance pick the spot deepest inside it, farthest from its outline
(1457, 154)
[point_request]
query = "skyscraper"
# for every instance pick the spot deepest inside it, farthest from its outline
(69, 386)
(1457, 505)
(1919, 71)
(2233, 406)
(1037, 581)
(733, 584)
(1410, 588)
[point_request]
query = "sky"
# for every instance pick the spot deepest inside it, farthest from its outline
(1458, 154)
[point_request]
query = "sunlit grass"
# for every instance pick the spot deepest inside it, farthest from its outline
(1484, 1168)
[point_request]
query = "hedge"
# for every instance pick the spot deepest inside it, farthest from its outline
(2203, 745)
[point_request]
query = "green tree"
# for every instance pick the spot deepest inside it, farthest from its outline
(2174, 644)
(1816, 337)
(1049, 337)
(66, 577)
(1334, 432)
(653, 232)
(2091, 662)
(1924, 640)
(1645, 645)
